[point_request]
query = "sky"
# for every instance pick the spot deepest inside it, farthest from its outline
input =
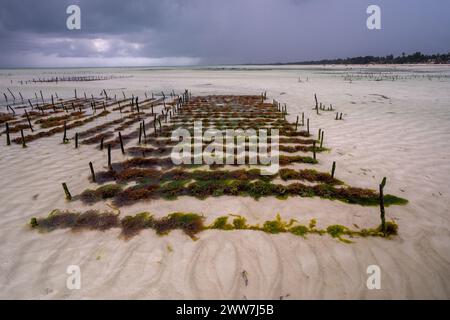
(33, 33)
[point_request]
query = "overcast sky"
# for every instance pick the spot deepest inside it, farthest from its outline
(33, 33)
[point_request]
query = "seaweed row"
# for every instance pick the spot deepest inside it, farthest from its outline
(202, 189)
(159, 176)
(192, 224)
(78, 123)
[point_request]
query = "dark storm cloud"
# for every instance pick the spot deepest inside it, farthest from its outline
(34, 33)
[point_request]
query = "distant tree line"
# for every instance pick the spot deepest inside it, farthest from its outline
(416, 57)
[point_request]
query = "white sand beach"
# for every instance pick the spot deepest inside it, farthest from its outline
(399, 129)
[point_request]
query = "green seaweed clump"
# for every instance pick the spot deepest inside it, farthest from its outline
(277, 225)
(89, 220)
(104, 192)
(337, 231)
(221, 223)
(190, 223)
(299, 230)
(132, 225)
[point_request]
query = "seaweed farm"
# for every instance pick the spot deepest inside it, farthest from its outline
(142, 132)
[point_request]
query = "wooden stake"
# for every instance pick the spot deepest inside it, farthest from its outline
(109, 155)
(307, 125)
(101, 143)
(66, 191)
(121, 143)
(296, 124)
(140, 132)
(76, 140)
(8, 139)
(143, 129)
(321, 140)
(23, 139)
(65, 132)
(92, 171)
(303, 119)
(333, 169)
(314, 150)
(382, 213)
(29, 122)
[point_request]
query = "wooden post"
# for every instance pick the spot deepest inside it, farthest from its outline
(12, 109)
(337, 115)
(340, 117)
(76, 140)
(31, 105)
(29, 122)
(109, 155)
(8, 139)
(66, 191)
(42, 96)
(333, 169)
(65, 132)
(314, 150)
(303, 119)
(321, 139)
(296, 124)
(140, 132)
(307, 125)
(315, 98)
(121, 143)
(101, 143)
(23, 139)
(137, 105)
(382, 213)
(92, 171)
(143, 130)
(318, 135)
